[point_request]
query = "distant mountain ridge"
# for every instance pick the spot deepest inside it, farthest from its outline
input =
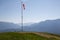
(6, 27)
(51, 26)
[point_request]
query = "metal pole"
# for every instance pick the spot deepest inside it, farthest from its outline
(21, 16)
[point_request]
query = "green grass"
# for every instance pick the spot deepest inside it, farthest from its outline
(22, 36)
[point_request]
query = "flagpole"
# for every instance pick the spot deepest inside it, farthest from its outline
(21, 16)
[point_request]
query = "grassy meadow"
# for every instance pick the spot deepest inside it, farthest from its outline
(23, 36)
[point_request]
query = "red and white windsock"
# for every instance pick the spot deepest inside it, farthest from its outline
(23, 6)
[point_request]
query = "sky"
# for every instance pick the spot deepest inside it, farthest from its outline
(35, 10)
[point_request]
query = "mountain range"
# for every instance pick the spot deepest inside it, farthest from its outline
(50, 26)
(7, 27)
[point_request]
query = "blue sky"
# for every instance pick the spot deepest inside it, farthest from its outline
(36, 10)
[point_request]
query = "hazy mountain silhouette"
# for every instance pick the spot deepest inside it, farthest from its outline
(51, 26)
(6, 27)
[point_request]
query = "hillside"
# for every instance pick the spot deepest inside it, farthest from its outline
(26, 36)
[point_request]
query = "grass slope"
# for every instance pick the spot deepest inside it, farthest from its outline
(23, 36)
